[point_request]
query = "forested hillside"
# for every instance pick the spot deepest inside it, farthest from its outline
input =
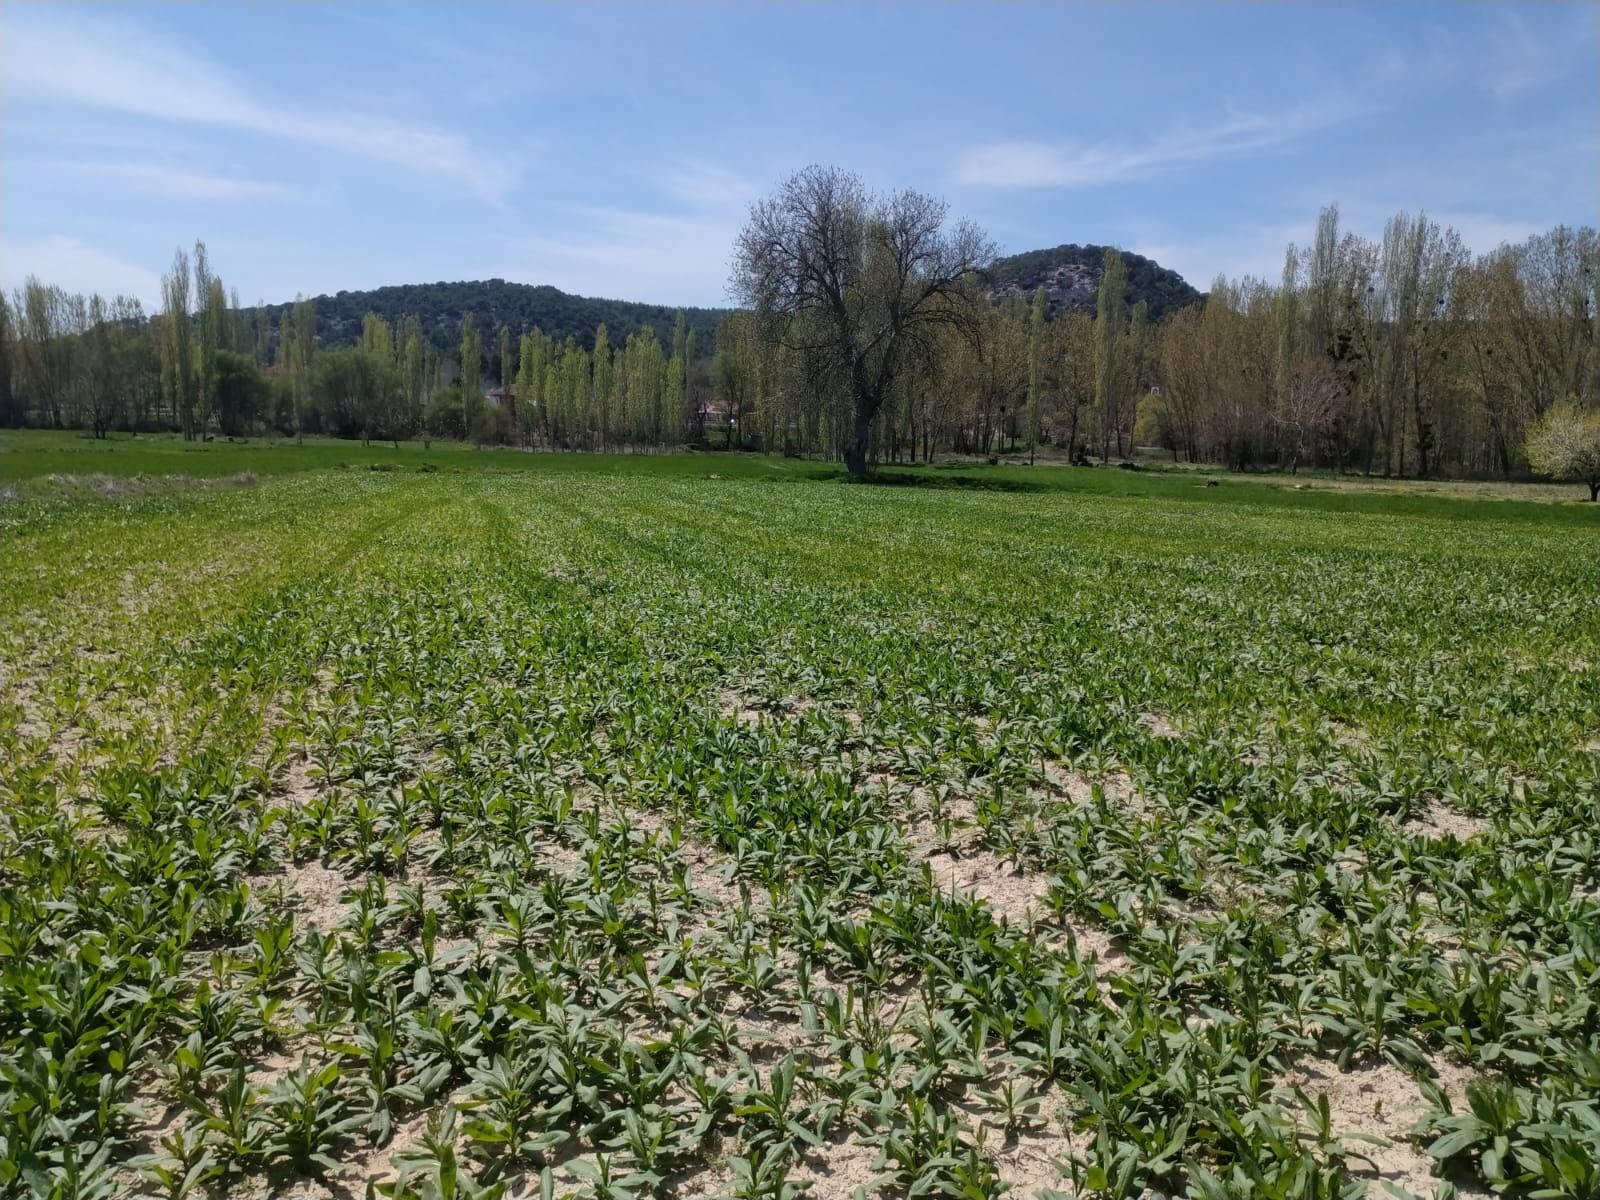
(495, 302)
(1070, 276)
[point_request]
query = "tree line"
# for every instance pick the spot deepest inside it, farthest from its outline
(205, 365)
(867, 334)
(1402, 356)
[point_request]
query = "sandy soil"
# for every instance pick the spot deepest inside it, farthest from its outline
(1374, 1104)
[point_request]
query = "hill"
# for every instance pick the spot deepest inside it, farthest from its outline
(495, 302)
(1070, 276)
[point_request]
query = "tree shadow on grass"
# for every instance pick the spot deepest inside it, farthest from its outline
(964, 482)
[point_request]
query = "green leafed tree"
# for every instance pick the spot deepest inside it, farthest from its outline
(358, 391)
(178, 379)
(377, 337)
(471, 370)
(414, 373)
(531, 414)
(241, 392)
(603, 385)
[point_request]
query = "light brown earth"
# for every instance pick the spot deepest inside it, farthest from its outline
(1374, 1104)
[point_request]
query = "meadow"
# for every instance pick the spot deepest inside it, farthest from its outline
(494, 824)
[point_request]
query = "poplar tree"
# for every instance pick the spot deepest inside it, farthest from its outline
(541, 354)
(10, 412)
(413, 370)
(261, 344)
(302, 345)
(617, 401)
(1035, 371)
(471, 371)
(675, 388)
(527, 408)
(1135, 359)
(680, 335)
(177, 352)
(377, 338)
(672, 395)
(1286, 315)
(1109, 306)
(691, 391)
(208, 294)
(602, 384)
(554, 418)
(575, 384)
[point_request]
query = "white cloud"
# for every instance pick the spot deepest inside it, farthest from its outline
(679, 255)
(75, 265)
(1483, 232)
(83, 57)
(1256, 250)
(154, 179)
(1066, 165)
(652, 257)
(1506, 58)
(707, 186)
(1501, 55)
(1521, 62)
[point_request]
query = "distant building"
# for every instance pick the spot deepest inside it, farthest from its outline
(502, 397)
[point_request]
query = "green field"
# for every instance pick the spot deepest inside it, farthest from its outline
(33, 456)
(709, 826)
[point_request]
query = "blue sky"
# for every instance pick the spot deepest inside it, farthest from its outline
(613, 150)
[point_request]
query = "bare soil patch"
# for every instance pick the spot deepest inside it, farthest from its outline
(1092, 943)
(1440, 820)
(1078, 788)
(1011, 894)
(710, 1182)
(1376, 1099)
(299, 786)
(316, 893)
(733, 705)
(1030, 1161)
(1348, 736)
(1160, 725)
(836, 1170)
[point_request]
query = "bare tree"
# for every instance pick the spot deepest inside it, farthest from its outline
(1110, 328)
(46, 355)
(11, 413)
(856, 285)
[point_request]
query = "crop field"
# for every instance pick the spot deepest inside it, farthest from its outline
(696, 832)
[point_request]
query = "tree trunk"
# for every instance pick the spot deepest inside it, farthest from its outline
(855, 451)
